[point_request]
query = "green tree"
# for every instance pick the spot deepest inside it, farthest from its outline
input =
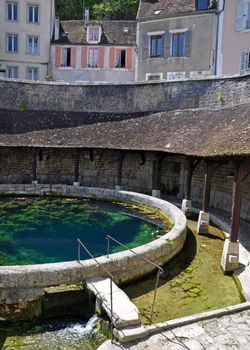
(99, 9)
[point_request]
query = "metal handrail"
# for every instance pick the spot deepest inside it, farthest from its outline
(160, 269)
(111, 278)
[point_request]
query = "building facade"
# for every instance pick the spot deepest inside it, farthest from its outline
(91, 51)
(233, 37)
(175, 40)
(26, 29)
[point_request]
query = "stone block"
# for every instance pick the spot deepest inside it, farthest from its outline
(156, 193)
(230, 256)
(186, 207)
(76, 183)
(203, 222)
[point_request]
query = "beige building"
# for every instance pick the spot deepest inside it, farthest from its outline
(26, 29)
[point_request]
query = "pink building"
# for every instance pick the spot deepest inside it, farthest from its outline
(233, 54)
(94, 51)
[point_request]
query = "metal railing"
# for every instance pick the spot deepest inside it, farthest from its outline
(159, 272)
(111, 278)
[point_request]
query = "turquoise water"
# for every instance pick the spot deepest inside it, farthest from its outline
(44, 230)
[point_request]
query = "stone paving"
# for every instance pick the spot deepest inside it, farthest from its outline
(226, 332)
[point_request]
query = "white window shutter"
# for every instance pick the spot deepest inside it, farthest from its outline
(242, 13)
(243, 60)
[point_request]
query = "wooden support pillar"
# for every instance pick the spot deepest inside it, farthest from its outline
(186, 205)
(119, 176)
(192, 164)
(230, 254)
(236, 200)
(34, 166)
(77, 160)
(157, 172)
(207, 184)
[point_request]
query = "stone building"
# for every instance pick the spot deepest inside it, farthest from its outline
(94, 51)
(26, 29)
(175, 39)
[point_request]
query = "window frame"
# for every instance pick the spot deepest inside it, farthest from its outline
(9, 68)
(158, 47)
(66, 58)
(178, 54)
(17, 43)
(33, 69)
(201, 9)
(94, 41)
(33, 52)
(95, 57)
(28, 13)
(7, 11)
(117, 51)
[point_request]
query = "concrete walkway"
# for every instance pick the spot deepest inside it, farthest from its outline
(219, 333)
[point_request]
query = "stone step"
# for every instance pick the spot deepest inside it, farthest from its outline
(125, 313)
(131, 333)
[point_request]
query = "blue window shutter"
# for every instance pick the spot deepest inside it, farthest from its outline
(242, 15)
(162, 44)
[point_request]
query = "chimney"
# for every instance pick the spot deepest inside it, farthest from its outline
(86, 15)
(57, 26)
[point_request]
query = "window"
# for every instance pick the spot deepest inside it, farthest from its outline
(93, 58)
(32, 74)
(178, 45)
(93, 34)
(33, 44)
(66, 57)
(156, 46)
(33, 13)
(202, 4)
(11, 11)
(12, 72)
(12, 43)
(245, 61)
(243, 15)
(120, 59)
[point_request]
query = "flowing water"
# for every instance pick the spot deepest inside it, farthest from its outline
(64, 334)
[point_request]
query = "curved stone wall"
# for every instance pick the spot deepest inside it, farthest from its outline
(20, 284)
(124, 98)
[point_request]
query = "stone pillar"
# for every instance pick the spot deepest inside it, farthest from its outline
(34, 166)
(76, 174)
(156, 190)
(203, 221)
(230, 255)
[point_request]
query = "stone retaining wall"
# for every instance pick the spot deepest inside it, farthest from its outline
(22, 284)
(124, 98)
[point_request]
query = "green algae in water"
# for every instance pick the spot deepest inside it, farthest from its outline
(58, 335)
(45, 229)
(193, 281)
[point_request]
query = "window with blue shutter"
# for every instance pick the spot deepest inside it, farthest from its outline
(242, 15)
(202, 4)
(156, 46)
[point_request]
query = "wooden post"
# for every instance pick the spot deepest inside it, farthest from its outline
(207, 185)
(192, 164)
(77, 160)
(236, 200)
(157, 171)
(34, 165)
(120, 161)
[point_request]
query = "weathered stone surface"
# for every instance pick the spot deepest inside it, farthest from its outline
(125, 313)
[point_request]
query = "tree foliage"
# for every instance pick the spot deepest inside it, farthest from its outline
(99, 9)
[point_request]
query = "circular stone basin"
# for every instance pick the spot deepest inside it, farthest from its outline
(45, 230)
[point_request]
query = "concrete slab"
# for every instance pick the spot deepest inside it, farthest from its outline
(125, 313)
